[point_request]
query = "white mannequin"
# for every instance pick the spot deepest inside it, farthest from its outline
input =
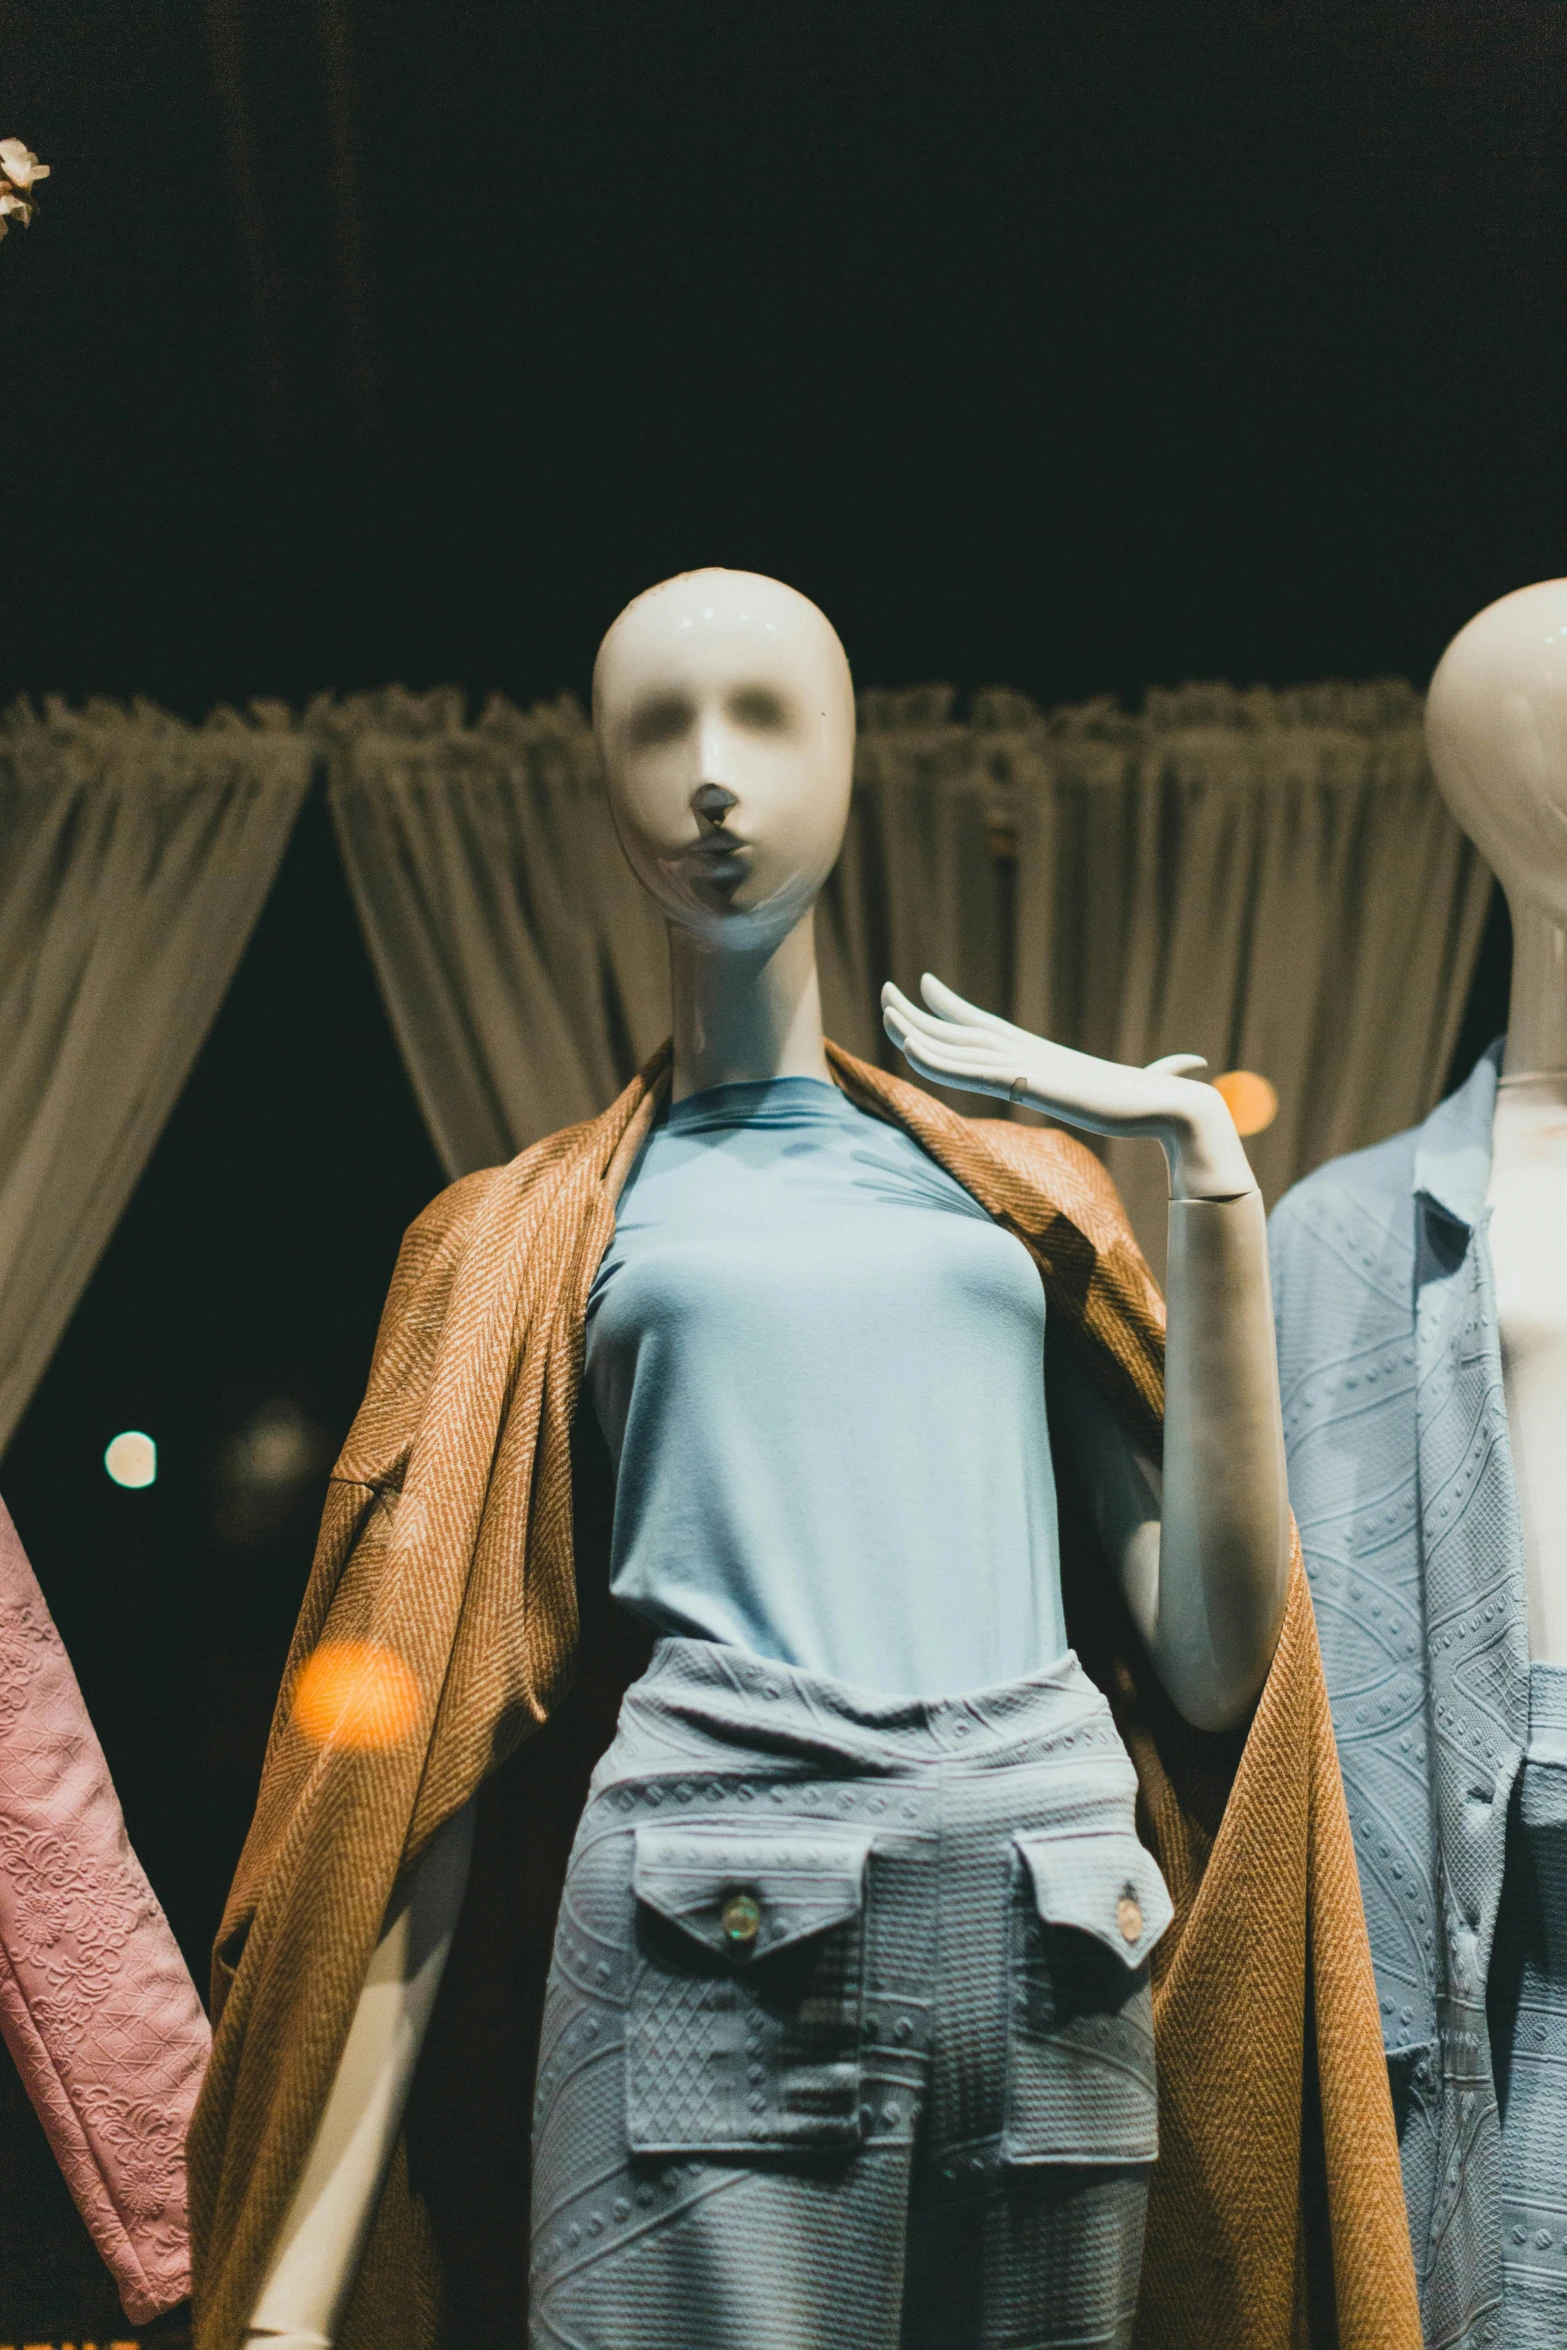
(725, 718)
(1496, 724)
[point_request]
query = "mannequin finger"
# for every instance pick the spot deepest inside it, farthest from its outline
(953, 1050)
(898, 1029)
(1176, 1065)
(963, 1080)
(992, 1049)
(1048, 1062)
(896, 1005)
(931, 1023)
(943, 1031)
(943, 1047)
(952, 1006)
(951, 1063)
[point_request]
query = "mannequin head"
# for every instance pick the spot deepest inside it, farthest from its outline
(1496, 728)
(724, 714)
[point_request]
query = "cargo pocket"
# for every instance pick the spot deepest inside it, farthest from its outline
(744, 2028)
(1086, 1911)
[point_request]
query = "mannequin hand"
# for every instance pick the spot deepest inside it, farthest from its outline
(954, 1043)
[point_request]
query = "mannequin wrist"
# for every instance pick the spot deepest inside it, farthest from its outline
(1205, 1156)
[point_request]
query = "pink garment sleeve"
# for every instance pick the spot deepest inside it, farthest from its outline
(96, 2005)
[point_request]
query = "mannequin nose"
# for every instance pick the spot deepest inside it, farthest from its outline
(713, 802)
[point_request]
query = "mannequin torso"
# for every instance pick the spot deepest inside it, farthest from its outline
(797, 1287)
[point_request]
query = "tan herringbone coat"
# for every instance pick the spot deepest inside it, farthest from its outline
(466, 1530)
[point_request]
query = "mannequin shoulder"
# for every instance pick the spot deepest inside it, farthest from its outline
(1363, 1191)
(452, 1214)
(438, 1238)
(1056, 1162)
(428, 1263)
(449, 1216)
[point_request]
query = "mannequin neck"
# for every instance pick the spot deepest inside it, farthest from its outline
(1537, 1008)
(745, 1015)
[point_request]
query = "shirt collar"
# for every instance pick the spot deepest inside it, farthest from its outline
(1453, 1152)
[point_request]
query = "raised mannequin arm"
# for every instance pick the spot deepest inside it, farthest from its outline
(1203, 1548)
(317, 2254)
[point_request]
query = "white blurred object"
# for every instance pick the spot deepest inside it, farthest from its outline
(267, 1471)
(278, 1446)
(132, 1458)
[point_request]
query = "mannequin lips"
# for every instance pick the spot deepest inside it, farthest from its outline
(720, 850)
(714, 866)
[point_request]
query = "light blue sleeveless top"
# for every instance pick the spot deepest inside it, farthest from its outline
(819, 1368)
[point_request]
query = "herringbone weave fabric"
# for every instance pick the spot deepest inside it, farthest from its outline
(1276, 2214)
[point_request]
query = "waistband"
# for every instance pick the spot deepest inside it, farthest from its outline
(702, 1694)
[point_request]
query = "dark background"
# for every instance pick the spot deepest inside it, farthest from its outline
(1077, 346)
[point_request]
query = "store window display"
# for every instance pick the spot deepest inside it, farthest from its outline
(1422, 1311)
(849, 2030)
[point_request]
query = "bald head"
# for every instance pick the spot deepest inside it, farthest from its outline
(1496, 728)
(742, 611)
(724, 713)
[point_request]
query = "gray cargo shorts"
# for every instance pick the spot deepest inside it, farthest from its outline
(848, 2039)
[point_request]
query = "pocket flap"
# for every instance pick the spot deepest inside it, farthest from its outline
(746, 1892)
(1107, 1886)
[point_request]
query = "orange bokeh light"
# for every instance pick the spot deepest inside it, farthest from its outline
(352, 1693)
(1251, 1101)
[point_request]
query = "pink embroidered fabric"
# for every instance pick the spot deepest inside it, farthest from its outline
(96, 2005)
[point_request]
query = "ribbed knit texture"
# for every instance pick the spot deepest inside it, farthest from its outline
(1276, 2215)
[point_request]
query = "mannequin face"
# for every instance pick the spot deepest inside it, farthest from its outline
(724, 714)
(1496, 728)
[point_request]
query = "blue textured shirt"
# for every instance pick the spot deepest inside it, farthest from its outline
(819, 1367)
(1401, 1478)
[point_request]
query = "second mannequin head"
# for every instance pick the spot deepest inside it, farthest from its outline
(724, 714)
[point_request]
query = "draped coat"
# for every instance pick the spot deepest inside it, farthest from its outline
(466, 1538)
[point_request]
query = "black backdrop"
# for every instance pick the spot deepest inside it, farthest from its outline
(1075, 345)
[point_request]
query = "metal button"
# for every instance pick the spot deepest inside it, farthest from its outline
(1129, 1918)
(741, 1918)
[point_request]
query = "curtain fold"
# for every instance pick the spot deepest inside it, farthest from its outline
(1264, 877)
(135, 855)
(523, 967)
(1267, 878)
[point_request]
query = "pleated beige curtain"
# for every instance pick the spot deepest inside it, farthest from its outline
(135, 855)
(1267, 878)
(524, 969)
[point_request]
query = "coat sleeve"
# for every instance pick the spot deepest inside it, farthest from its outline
(96, 2005)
